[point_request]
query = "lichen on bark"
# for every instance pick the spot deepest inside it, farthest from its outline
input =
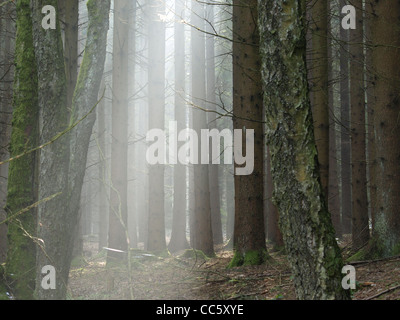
(304, 219)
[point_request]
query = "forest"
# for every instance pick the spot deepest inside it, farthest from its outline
(199, 150)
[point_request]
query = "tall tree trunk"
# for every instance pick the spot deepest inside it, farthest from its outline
(7, 47)
(22, 178)
(118, 215)
(53, 167)
(371, 158)
(201, 224)
(333, 186)
(58, 230)
(319, 80)
(305, 221)
(249, 232)
(156, 93)
(345, 145)
(211, 105)
(386, 70)
(360, 223)
(178, 235)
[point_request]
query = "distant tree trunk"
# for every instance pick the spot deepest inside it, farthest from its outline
(178, 235)
(58, 230)
(22, 178)
(249, 233)
(371, 158)
(103, 207)
(360, 223)
(386, 70)
(156, 93)
(345, 145)
(118, 215)
(211, 105)
(202, 236)
(305, 221)
(319, 80)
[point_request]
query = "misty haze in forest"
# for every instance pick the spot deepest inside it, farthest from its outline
(144, 141)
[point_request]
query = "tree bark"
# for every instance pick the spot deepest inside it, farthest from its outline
(58, 230)
(385, 54)
(345, 145)
(118, 213)
(249, 232)
(305, 222)
(22, 178)
(360, 223)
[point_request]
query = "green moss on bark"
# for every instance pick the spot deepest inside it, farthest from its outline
(250, 258)
(22, 189)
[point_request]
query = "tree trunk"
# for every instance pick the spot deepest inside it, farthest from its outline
(345, 145)
(71, 46)
(386, 103)
(118, 215)
(58, 230)
(319, 80)
(360, 223)
(52, 230)
(211, 105)
(249, 232)
(201, 224)
(178, 235)
(156, 226)
(22, 178)
(305, 221)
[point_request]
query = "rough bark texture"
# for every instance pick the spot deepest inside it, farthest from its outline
(71, 46)
(53, 167)
(156, 93)
(58, 230)
(201, 236)
(386, 70)
(22, 179)
(305, 222)
(319, 83)
(360, 223)
(118, 215)
(274, 234)
(249, 232)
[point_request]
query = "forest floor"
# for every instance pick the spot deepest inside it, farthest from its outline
(190, 276)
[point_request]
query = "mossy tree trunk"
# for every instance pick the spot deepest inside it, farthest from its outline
(22, 178)
(305, 221)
